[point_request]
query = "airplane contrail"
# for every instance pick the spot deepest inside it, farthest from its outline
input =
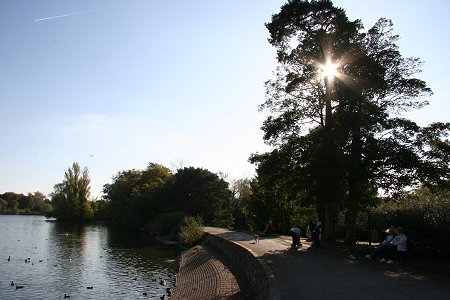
(62, 16)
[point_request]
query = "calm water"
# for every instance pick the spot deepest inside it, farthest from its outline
(67, 258)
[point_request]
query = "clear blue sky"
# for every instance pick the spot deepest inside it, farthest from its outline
(171, 82)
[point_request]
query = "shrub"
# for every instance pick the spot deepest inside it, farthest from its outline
(191, 230)
(425, 217)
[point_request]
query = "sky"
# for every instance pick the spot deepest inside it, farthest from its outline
(116, 85)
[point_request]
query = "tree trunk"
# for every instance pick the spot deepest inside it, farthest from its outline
(329, 176)
(351, 215)
(329, 234)
(354, 187)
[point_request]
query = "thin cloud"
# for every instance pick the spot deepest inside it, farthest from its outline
(62, 16)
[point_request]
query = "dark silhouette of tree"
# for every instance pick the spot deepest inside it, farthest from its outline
(134, 196)
(353, 138)
(199, 192)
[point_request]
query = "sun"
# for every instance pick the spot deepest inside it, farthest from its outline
(329, 70)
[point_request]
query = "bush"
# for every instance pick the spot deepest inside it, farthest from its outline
(425, 217)
(191, 230)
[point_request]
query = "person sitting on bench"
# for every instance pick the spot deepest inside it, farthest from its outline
(397, 246)
(383, 245)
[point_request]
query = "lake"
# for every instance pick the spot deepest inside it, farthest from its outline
(50, 259)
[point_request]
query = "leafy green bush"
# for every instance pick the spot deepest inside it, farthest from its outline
(191, 230)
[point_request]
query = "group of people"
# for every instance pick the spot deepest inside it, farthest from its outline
(393, 245)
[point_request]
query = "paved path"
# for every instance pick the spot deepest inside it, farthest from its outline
(324, 273)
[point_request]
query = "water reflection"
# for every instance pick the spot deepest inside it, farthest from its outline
(67, 258)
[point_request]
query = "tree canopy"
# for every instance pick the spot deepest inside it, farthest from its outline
(199, 192)
(341, 135)
(137, 197)
(70, 197)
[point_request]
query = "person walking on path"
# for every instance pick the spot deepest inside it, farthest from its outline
(316, 233)
(309, 231)
(269, 228)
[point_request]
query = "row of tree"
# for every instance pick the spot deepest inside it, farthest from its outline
(337, 135)
(137, 197)
(339, 143)
(156, 190)
(32, 203)
(157, 200)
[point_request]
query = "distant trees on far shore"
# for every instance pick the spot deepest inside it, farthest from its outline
(153, 199)
(31, 204)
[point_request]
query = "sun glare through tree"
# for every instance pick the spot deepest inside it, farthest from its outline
(329, 70)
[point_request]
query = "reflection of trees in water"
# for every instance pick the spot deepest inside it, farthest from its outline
(136, 261)
(120, 237)
(66, 254)
(75, 256)
(139, 251)
(67, 239)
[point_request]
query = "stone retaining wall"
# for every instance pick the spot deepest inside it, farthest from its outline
(204, 277)
(251, 269)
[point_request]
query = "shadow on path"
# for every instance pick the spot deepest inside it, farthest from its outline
(326, 273)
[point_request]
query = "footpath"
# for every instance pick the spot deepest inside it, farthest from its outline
(310, 273)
